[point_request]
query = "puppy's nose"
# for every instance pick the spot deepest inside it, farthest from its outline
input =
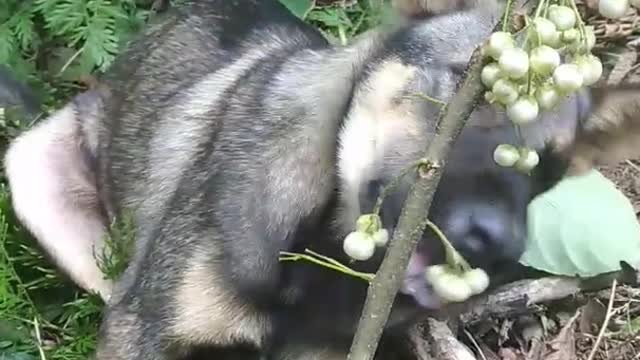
(486, 234)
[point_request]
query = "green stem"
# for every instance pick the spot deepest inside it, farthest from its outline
(541, 6)
(505, 20)
(581, 26)
(453, 258)
(326, 262)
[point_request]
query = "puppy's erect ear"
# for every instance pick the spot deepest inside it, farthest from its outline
(417, 9)
(611, 131)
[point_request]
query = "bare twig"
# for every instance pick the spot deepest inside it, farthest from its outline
(413, 218)
(475, 344)
(36, 327)
(605, 323)
(445, 345)
(518, 296)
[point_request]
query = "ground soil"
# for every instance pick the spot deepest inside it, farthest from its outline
(626, 176)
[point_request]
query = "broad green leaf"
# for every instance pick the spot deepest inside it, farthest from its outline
(583, 226)
(299, 8)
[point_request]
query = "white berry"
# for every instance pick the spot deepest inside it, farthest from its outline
(506, 155)
(555, 41)
(613, 9)
(523, 110)
(451, 288)
(590, 37)
(545, 30)
(567, 78)
(432, 273)
(477, 279)
(529, 159)
(490, 74)
(498, 42)
(591, 69)
(381, 237)
(562, 16)
(571, 35)
(359, 246)
(505, 91)
(514, 63)
(547, 97)
(544, 59)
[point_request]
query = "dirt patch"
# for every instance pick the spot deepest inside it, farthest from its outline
(626, 176)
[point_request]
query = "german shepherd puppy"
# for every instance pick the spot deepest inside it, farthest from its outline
(234, 131)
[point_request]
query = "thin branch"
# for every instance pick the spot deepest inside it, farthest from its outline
(605, 322)
(413, 218)
(519, 296)
(445, 344)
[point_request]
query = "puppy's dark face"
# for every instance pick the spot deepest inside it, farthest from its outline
(480, 206)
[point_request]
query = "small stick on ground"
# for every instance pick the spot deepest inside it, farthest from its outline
(605, 323)
(445, 345)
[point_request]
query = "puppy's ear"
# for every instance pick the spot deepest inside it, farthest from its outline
(419, 9)
(611, 131)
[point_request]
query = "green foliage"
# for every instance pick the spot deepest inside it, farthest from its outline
(56, 45)
(53, 41)
(299, 8)
(584, 226)
(113, 260)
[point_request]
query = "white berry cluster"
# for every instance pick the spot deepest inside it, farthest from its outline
(532, 71)
(454, 281)
(456, 286)
(361, 244)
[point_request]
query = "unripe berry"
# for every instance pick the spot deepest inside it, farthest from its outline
(529, 159)
(514, 63)
(571, 35)
(523, 110)
(613, 9)
(490, 74)
(544, 29)
(359, 246)
(562, 16)
(506, 155)
(498, 42)
(432, 273)
(477, 279)
(452, 288)
(381, 237)
(591, 69)
(567, 78)
(547, 97)
(544, 60)
(505, 91)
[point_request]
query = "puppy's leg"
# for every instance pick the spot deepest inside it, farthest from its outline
(54, 191)
(178, 298)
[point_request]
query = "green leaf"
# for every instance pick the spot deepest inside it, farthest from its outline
(299, 8)
(583, 226)
(331, 18)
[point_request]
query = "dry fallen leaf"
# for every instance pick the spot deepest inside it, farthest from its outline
(510, 354)
(563, 347)
(593, 314)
